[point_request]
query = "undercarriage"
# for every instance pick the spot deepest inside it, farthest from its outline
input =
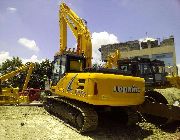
(84, 117)
(79, 116)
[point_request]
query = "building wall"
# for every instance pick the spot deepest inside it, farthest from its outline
(164, 50)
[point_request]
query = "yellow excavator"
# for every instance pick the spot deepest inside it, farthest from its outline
(112, 60)
(79, 92)
(10, 95)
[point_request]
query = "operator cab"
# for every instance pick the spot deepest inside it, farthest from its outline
(68, 63)
(152, 71)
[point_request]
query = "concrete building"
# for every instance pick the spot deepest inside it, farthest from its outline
(147, 48)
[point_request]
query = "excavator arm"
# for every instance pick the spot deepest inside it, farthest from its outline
(15, 72)
(12, 74)
(79, 30)
(11, 95)
(31, 66)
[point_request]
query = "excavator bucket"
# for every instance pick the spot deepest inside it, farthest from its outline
(171, 112)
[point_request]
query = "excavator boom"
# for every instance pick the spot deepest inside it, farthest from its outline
(31, 66)
(79, 30)
(11, 95)
(15, 72)
(12, 74)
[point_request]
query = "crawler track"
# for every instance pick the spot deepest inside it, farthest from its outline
(79, 116)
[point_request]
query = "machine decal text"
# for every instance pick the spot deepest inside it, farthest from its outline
(123, 89)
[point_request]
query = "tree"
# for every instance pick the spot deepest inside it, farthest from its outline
(40, 72)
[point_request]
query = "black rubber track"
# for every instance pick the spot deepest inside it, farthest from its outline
(83, 117)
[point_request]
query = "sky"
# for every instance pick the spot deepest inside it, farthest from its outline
(30, 29)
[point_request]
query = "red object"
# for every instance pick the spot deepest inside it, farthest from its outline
(95, 89)
(34, 94)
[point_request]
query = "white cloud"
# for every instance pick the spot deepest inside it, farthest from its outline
(98, 39)
(3, 56)
(30, 44)
(6, 55)
(11, 9)
(33, 58)
(146, 39)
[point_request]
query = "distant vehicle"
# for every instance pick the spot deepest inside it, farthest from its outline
(9, 94)
(153, 71)
(33, 94)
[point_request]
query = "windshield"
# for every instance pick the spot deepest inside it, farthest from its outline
(56, 66)
(59, 66)
(58, 69)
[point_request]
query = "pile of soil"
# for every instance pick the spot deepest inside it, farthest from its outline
(171, 94)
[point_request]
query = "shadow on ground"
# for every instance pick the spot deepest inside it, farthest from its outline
(171, 127)
(114, 127)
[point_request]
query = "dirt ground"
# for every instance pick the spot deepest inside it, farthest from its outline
(29, 123)
(34, 123)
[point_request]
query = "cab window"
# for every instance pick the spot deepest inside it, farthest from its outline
(76, 65)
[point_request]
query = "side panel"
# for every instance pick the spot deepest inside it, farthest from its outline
(102, 89)
(117, 90)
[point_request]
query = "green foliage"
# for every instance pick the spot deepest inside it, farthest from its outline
(10, 65)
(40, 71)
